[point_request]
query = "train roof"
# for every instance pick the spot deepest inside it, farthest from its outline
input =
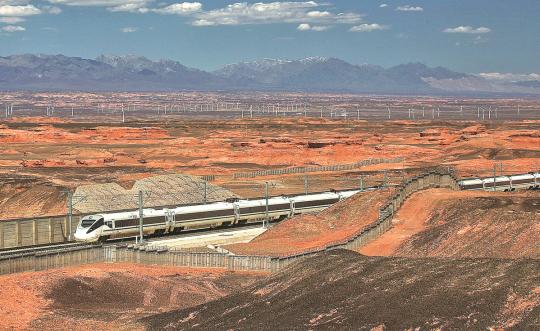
(350, 193)
(262, 202)
(524, 176)
(206, 207)
(470, 181)
(318, 196)
(497, 179)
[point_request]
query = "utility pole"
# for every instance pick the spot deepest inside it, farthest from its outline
(361, 183)
(306, 188)
(141, 218)
(205, 192)
(266, 218)
(70, 214)
(494, 177)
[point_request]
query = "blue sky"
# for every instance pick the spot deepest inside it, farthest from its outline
(470, 36)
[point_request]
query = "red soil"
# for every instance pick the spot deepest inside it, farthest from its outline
(45, 300)
(439, 222)
(68, 154)
(310, 232)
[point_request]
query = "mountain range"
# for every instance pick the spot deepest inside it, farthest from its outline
(31, 72)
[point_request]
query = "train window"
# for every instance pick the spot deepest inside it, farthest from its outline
(96, 225)
(87, 222)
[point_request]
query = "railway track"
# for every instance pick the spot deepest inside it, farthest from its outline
(48, 248)
(151, 240)
(19, 251)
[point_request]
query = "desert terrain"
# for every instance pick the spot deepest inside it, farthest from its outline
(108, 296)
(43, 157)
(451, 260)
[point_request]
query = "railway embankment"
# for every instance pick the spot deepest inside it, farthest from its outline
(310, 232)
(456, 224)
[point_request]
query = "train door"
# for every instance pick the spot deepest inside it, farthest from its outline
(170, 220)
(236, 213)
(293, 207)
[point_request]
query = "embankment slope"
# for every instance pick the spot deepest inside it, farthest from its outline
(442, 223)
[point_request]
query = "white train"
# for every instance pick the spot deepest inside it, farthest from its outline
(503, 183)
(159, 221)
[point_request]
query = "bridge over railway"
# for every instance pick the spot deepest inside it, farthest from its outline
(163, 256)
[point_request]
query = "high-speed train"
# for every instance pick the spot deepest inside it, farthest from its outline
(159, 221)
(503, 183)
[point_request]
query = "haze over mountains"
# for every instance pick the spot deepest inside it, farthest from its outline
(315, 74)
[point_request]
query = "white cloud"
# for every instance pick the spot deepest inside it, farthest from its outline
(319, 28)
(509, 77)
(368, 27)
(180, 8)
(18, 11)
(14, 2)
(12, 28)
(308, 27)
(102, 3)
(316, 13)
(409, 8)
(468, 29)
(51, 10)
(304, 27)
(129, 29)
(11, 20)
(383, 5)
(132, 6)
(273, 12)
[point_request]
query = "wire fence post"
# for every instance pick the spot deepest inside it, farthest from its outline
(141, 217)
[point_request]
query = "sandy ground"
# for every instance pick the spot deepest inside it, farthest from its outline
(440, 222)
(107, 296)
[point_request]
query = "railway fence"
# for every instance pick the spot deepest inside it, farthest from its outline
(148, 255)
(301, 170)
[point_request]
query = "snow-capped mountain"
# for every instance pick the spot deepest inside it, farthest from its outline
(312, 74)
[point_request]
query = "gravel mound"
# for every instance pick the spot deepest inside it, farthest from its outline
(164, 190)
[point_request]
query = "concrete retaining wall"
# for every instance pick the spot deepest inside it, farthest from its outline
(35, 231)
